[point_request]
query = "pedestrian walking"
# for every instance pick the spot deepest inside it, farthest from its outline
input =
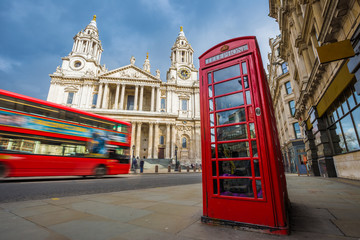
(142, 162)
(134, 164)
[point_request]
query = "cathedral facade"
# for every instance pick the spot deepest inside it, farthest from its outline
(165, 115)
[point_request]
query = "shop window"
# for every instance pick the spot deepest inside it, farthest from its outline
(288, 87)
(344, 123)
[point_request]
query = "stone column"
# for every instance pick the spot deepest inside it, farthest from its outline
(136, 98)
(150, 146)
(167, 146)
(138, 138)
(105, 100)
(122, 96)
(89, 96)
(156, 141)
(307, 61)
(141, 98)
(317, 14)
(133, 140)
(152, 98)
(116, 105)
(100, 93)
(173, 140)
(157, 99)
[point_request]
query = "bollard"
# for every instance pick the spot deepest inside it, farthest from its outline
(187, 168)
(156, 168)
(179, 168)
(169, 168)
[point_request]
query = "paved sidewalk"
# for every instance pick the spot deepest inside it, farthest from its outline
(321, 209)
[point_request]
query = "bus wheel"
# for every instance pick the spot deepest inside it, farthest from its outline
(100, 171)
(4, 170)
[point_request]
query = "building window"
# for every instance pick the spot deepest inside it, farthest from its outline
(344, 122)
(288, 87)
(70, 98)
(184, 104)
(184, 142)
(130, 103)
(162, 140)
(284, 67)
(95, 96)
(163, 103)
(297, 130)
(292, 107)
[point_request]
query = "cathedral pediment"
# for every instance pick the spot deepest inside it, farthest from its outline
(130, 72)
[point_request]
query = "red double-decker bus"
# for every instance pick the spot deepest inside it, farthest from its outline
(40, 138)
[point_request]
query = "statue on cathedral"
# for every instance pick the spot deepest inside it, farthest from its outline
(158, 73)
(132, 60)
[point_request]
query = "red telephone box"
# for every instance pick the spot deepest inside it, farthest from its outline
(243, 175)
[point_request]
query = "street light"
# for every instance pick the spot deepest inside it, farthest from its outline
(176, 163)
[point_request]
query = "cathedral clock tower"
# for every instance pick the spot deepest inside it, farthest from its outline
(84, 59)
(182, 70)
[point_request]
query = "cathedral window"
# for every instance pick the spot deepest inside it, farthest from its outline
(184, 142)
(162, 140)
(184, 104)
(95, 96)
(77, 64)
(70, 98)
(163, 105)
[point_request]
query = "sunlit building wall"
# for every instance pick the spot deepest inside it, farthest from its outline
(289, 129)
(326, 100)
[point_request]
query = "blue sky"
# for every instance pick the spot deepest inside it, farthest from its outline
(37, 34)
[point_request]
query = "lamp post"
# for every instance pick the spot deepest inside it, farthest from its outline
(176, 162)
(133, 147)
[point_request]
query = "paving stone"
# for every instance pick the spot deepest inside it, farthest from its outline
(52, 218)
(350, 228)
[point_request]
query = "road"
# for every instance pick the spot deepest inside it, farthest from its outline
(22, 189)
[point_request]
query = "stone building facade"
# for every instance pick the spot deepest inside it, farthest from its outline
(164, 114)
(327, 102)
(289, 129)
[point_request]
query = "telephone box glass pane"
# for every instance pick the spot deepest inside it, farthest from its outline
(232, 132)
(227, 73)
(252, 130)
(210, 91)
(256, 168)
(236, 187)
(213, 151)
(231, 116)
(229, 101)
(246, 82)
(209, 78)
(212, 132)
(254, 148)
(228, 86)
(215, 186)
(248, 97)
(213, 168)
(235, 168)
(233, 150)
(212, 123)
(211, 105)
(259, 189)
(244, 69)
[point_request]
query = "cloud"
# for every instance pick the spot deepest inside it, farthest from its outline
(6, 65)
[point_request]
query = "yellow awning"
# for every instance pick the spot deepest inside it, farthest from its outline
(338, 85)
